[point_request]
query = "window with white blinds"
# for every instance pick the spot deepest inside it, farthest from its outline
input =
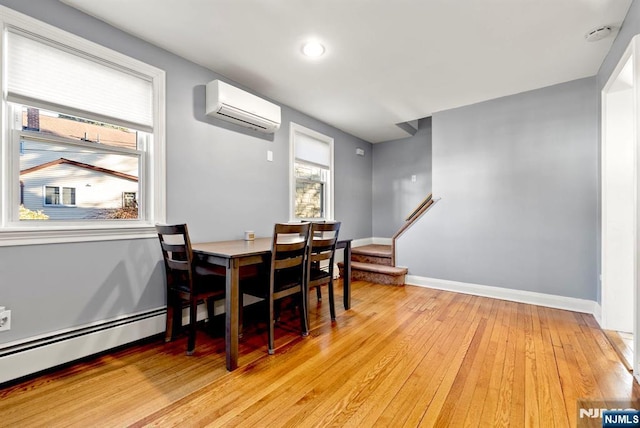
(311, 174)
(61, 79)
(312, 150)
(83, 155)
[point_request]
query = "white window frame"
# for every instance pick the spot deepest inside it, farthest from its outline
(295, 129)
(153, 171)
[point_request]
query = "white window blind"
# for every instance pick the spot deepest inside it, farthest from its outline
(45, 74)
(309, 149)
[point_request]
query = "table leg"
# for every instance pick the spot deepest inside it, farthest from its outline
(231, 313)
(346, 282)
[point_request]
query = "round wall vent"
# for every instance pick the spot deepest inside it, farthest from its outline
(598, 33)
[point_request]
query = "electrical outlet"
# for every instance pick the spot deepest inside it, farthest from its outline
(5, 320)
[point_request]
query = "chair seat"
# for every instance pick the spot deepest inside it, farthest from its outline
(315, 274)
(287, 279)
(258, 286)
(207, 285)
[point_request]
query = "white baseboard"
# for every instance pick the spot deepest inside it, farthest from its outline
(361, 242)
(530, 297)
(382, 241)
(28, 357)
(368, 241)
(597, 313)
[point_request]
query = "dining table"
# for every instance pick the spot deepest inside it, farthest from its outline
(233, 255)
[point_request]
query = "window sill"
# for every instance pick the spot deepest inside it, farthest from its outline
(14, 236)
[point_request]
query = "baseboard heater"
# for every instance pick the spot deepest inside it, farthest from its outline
(19, 359)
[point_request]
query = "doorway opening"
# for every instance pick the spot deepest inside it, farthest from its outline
(620, 208)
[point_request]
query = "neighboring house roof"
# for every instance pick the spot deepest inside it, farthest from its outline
(80, 130)
(80, 165)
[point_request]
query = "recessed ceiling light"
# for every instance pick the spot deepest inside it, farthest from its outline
(313, 49)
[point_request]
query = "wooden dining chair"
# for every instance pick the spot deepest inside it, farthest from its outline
(286, 274)
(188, 280)
(320, 261)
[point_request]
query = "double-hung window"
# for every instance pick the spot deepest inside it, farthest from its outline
(54, 195)
(311, 174)
(83, 151)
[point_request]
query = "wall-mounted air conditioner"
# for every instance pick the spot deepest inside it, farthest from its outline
(229, 103)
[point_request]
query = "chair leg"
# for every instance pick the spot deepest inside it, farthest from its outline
(174, 317)
(211, 309)
(304, 313)
(270, 321)
(332, 305)
(277, 310)
(193, 317)
(319, 294)
(168, 332)
(240, 314)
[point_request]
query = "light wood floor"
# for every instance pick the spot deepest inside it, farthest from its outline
(402, 356)
(622, 343)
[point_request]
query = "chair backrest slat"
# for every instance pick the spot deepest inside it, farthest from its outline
(322, 244)
(178, 264)
(177, 254)
(173, 248)
(288, 262)
(289, 248)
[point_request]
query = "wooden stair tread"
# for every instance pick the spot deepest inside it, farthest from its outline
(375, 250)
(370, 267)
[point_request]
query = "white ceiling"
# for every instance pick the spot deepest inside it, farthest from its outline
(387, 61)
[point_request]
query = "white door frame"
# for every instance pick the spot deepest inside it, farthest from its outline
(607, 295)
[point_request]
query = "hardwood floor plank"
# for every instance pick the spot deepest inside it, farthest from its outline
(499, 335)
(428, 365)
(402, 356)
(430, 402)
(502, 414)
(418, 342)
(456, 405)
(480, 387)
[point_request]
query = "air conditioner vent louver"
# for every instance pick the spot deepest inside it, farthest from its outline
(229, 103)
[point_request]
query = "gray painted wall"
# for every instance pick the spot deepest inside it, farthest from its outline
(218, 181)
(630, 27)
(395, 196)
(518, 182)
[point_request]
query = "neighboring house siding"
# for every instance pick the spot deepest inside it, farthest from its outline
(35, 154)
(95, 191)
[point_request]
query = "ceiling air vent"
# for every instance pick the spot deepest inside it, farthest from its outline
(598, 33)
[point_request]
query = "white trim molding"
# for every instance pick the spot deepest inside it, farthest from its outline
(382, 241)
(152, 164)
(520, 296)
(361, 242)
(597, 313)
(31, 356)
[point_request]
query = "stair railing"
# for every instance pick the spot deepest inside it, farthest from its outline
(422, 207)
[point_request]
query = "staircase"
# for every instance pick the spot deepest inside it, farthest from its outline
(373, 263)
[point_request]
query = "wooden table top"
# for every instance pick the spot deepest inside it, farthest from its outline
(235, 248)
(239, 247)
